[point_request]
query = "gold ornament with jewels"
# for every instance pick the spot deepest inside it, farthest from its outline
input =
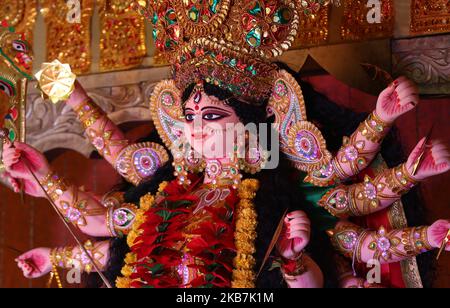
(232, 45)
(16, 59)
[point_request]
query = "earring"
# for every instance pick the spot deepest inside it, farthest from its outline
(255, 157)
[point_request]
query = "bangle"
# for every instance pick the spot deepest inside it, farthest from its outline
(54, 186)
(399, 180)
(65, 257)
(293, 268)
(373, 128)
(415, 240)
(113, 199)
(88, 113)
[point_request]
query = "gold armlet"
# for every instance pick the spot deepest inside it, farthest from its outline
(373, 128)
(140, 161)
(354, 200)
(399, 181)
(415, 240)
(387, 245)
(322, 177)
(88, 113)
(120, 219)
(54, 185)
(291, 269)
(66, 258)
(345, 238)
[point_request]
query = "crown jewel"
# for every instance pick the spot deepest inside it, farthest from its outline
(224, 42)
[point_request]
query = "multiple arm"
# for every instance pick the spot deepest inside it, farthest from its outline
(88, 213)
(104, 135)
(387, 246)
(376, 194)
(369, 196)
(41, 261)
(361, 147)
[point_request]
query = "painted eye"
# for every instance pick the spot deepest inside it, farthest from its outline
(20, 46)
(212, 116)
(190, 117)
(7, 87)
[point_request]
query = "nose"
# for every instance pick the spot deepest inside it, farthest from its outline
(198, 124)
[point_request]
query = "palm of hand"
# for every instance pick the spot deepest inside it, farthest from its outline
(18, 161)
(399, 98)
(435, 159)
(35, 263)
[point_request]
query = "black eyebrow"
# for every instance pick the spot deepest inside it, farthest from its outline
(216, 108)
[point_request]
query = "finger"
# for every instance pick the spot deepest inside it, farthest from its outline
(296, 214)
(420, 144)
(10, 154)
(401, 79)
(301, 220)
(296, 225)
(409, 100)
(440, 154)
(407, 94)
(300, 227)
(10, 161)
(298, 234)
(443, 167)
(417, 151)
(439, 147)
(7, 144)
(14, 185)
(407, 88)
(24, 256)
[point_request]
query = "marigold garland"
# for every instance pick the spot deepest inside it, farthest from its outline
(146, 202)
(243, 275)
(245, 236)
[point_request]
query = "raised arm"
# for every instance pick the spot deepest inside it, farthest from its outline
(41, 261)
(364, 245)
(93, 216)
(134, 162)
(104, 135)
(376, 194)
(362, 146)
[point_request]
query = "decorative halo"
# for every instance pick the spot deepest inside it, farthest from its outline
(167, 112)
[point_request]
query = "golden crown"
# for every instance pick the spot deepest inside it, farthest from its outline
(224, 42)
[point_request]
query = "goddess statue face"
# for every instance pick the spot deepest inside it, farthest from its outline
(210, 125)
